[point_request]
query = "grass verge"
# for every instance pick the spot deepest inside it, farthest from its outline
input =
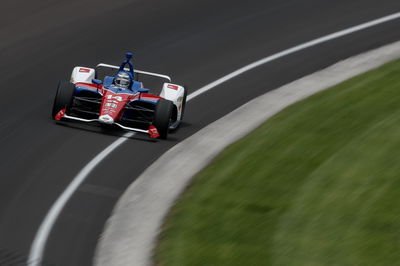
(317, 184)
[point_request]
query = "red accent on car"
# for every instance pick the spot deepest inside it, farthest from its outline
(172, 86)
(113, 104)
(151, 97)
(84, 70)
(60, 115)
(86, 85)
(153, 132)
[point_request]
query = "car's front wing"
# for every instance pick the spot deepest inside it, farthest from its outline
(152, 131)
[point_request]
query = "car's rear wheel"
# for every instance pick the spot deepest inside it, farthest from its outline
(63, 97)
(162, 117)
(184, 102)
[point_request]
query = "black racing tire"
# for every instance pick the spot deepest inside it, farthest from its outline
(184, 101)
(63, 98)
(162, 117)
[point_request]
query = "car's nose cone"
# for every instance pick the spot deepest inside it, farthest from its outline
(106, 119)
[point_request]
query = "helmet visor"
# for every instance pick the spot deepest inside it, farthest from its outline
(122, 80)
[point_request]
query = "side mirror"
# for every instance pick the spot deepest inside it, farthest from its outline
(97, 81)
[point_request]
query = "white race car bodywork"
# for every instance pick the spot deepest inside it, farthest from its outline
(82, 74)
(174, 93)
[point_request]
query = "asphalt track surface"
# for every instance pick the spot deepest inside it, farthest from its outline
(195, 42)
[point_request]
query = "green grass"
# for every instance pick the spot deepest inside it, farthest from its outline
(317, 184)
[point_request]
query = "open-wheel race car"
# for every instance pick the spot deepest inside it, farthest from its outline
(120, 100)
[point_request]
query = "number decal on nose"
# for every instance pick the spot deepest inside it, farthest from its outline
(118, 98)
(111, 105)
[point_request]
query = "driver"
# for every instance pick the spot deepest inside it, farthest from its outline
(123, 80)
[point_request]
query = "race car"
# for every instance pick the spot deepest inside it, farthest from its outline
(120, 100)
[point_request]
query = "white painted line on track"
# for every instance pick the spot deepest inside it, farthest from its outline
(293, 50)
(37, 249)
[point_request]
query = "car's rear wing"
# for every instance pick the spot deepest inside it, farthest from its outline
(136, 71)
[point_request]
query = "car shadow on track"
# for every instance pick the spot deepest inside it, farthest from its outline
(118, 132)
(108, 130)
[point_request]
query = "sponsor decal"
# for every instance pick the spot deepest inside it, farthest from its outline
(172, 86)
(153, 132)
(112, 103)
(84, 70)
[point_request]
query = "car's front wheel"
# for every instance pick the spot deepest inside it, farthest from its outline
(63, 98)
(162, 117)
